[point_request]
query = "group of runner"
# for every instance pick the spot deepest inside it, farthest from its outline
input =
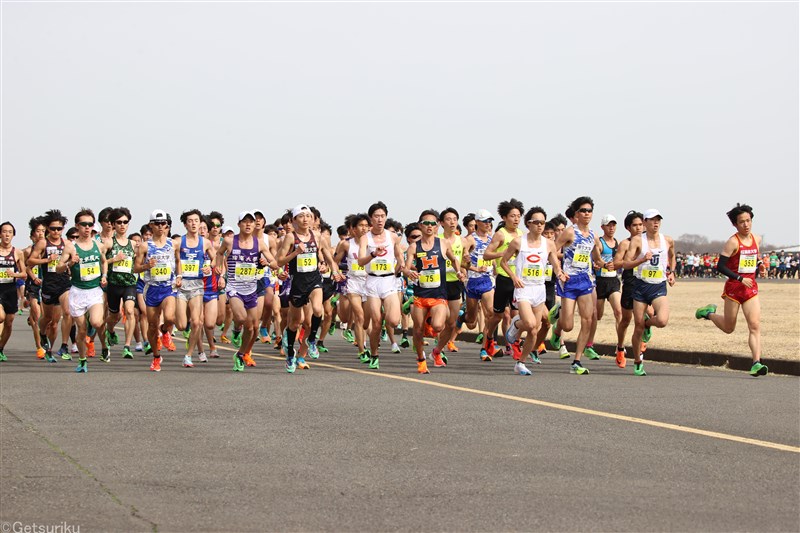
(527, 275)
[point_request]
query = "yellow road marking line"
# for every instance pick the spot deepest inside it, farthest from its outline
(561, 407)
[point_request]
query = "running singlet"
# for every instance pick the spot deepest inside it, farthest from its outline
(121, 272)
(306, 264)
(382, 264)
(192, 259)
(86, 272)
(8, 265)
(458, 251)
(507, 238)
(578, 255)
(607, 255)
(49, 274)
(431, 266)
(531, 262)
(655, 270)
(242, 266)
(354, 270)
(477, 260)
(745, 261)
(163, 273)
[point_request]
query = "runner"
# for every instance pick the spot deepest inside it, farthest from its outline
(608, 285)
(738, 262)
(121, 289)
(652, 254)
(480, 283)
(12, 268)
(86, 261)
(448, 219)
(533, 252)
(33, 286)
(356, 292)
(213, 295)
(426, 267)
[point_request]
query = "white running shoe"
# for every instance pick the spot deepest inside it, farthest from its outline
(513, 330)
(202, 357)
(213, 354)
(187, 361)
(521, 369)
(395, 348)
(74, 348)
(138, 347)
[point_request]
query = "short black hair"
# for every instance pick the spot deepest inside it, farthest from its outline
(734, 213)
(54, 215)
(34, 223)
(357, 218)
(428, 212)
(119, 212)
(342, 230)
(532, 211)
(469, 217)
(446, 211)
(505, 207)
(549, 225)
(270, 228)
(410, 228)
(85, 212)
(579, 201)
(7, 223)
(217, 215)
(103, 215)
(145, 229)
(631, 216)
(186, 214)
(559, 220)
(377, 205)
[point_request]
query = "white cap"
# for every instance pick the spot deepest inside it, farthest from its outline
(226, 229)
(484, 215)
(608, 219)
(258, 212)
(652, 213)
(97, 228)
(302, 208)
(244, 214)
(158, 214)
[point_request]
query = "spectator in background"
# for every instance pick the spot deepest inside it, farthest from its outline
(773, 264)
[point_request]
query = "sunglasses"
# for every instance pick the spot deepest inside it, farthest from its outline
(429, 223)
(159, 222)
(217, 225)
(585, 210)
(121, 221)
(56, 228)
(537, 222)
(414, 237)
(86, 224)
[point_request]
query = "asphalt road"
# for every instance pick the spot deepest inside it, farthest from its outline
(472, 447)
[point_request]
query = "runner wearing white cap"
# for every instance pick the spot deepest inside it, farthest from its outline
(607, 283)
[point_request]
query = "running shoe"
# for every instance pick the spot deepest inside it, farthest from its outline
(263, 334)
(451, 347)
(590, 353)
(758, 369)
(553, 314)
(404, 342)
(563, 353)
(90, 351)
(224, 340)
(45, 341)
(513, 330)
(384, 335)
(213, 354)
(493, 350)
(348, 335)
(64, 353)
(621, 361)
(395, 348)
(406, 308)
(648, 330)
(535, 358)
(555, 341)
(187, 333)
(422, 367)
(40, 353)
(542, 348)
(521, 369)
(236, 338)
(364, 356)
(301, 363)
(167, 341)
(105, 355)
(187, 361)
(516, 351)
(332, 329)
(202, 357)
(479, 338)
(248, 359)
(321, 347)
(291, 365)
(111, 338)
(3, 356)
(638, 369)
(82, 366)
(48, 356)
(74, 348)
(139, 347)
(155, 366)
(374, 363)
(703, 312)
(238, 363)
(313, 351)
(577, 368)
(485, 357)
(127, 353)
(437, 360)
(334, 301)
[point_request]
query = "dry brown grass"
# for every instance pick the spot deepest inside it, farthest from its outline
(780, 322)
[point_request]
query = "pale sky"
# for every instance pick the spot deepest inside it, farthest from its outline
(684, 107)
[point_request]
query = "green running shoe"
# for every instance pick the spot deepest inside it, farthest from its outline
(349, 336)
(535, 358)
(555, 340)
(648, 330)
(3, 356)
(406, 308)
(187, 333)
(590, 353)
(238, 363)
(82, 366)
(321, 347)
(554, 313)
(384, 335)
(236, 338)
(373, 363)
(703, 312)
(291, 365)
(638, 369)
(364, 356)
(334, 300)
(479, 338)
(127, 353)
(577, 368)
(332, 329)
(404, 342)
(111, 338)
(758, 369)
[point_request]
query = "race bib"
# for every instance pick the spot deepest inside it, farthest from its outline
(125, 266)
(532, 272)
(90, 271)
(191, 269)
(307, 262)
(5, 275)
(357, 270)
(430, 279)
(35, 271)
(51, 266)
(245, 271)
(652, 274)
(581, 257)
(605, 273)
(161, 272)
(380, 266)
(548, 273)
(747, 263)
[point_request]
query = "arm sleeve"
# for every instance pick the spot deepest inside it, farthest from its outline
(722, 268)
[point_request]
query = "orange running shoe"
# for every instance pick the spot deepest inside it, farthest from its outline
(542, 349)
(168, 342)
(516, 351)
(248, 360)
(89, 347)
(155, 366)
(224, 340)
(40, 353)
(422, 367)
(438, 362)
(451, 347)
(621, 358)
